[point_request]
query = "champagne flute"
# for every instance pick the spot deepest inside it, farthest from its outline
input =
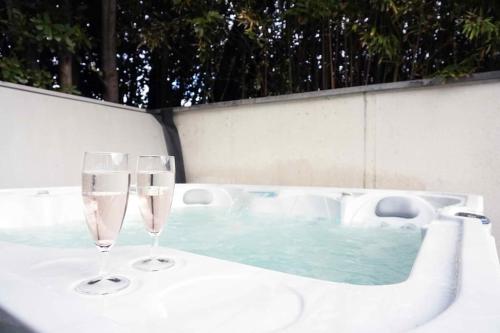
(155, 189)
(105, 188)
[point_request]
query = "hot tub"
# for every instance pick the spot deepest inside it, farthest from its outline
(257, 259)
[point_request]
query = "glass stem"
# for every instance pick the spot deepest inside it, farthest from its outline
(154, 246)
(103, 269)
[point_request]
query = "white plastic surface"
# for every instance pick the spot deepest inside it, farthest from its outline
(454, 285)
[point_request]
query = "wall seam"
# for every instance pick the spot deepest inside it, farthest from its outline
(374, 138)
(365, 138)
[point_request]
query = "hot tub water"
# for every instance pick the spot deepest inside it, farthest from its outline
(317, 248)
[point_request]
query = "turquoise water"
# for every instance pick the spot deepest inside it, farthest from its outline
(314, 248)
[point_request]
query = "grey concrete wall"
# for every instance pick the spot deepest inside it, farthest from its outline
(416, 136)
(43, 135)
(295, 143)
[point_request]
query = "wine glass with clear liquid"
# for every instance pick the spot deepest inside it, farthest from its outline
(155, 189)
(105, 189)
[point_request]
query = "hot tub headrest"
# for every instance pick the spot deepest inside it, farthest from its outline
(375, 209)
(198, 196)
(397, 206)
(203, 195)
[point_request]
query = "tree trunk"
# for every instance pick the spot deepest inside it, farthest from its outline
(65, 57)
(368, 69)
(264, 78)
(326, 56)
(159, 87)
(66, 70)
(243, 77)
(110, 75)
(8, 7)
(331, 61)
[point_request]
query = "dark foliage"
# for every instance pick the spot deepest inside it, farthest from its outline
(173, 52)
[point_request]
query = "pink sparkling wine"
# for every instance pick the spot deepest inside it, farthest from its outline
(105, 197)
(155, 191)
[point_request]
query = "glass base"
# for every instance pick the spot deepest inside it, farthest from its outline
(103, 285)
(153, 264)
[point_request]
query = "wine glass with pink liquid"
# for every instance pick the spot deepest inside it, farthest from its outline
(155, 189)
(105, 188)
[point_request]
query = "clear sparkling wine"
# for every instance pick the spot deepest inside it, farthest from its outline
(155, 190)
(105, 209)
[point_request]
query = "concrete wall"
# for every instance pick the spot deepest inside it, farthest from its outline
(292, 143)
(417, 135)
(43, 135)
